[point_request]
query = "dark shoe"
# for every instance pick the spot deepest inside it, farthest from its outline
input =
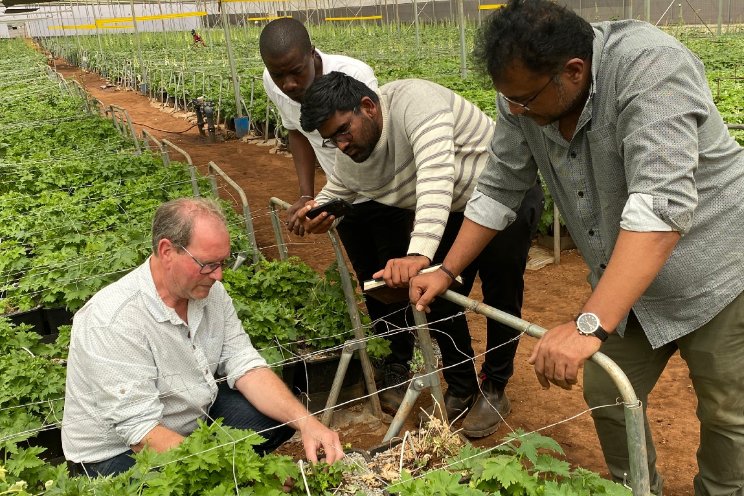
(487, 412)
(395, 378)
(454, 406)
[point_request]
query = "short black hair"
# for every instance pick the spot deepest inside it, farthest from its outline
(283, 35)
(541, 34)
(329, 94)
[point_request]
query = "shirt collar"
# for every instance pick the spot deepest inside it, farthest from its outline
(157, 307)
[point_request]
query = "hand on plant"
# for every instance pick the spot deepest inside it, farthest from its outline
(560, 353)
(399, 271)
(425, 287)
(316, 436)
(294, 221)
(320, 224)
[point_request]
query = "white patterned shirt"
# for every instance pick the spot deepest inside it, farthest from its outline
(134, 364)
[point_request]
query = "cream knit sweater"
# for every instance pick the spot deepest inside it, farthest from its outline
(433, 147)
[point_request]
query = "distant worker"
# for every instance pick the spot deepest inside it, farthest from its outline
(197, 39)
(162, 348)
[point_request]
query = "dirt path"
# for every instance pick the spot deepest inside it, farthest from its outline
(553, 295)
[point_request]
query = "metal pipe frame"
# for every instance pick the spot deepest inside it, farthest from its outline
(148, 138)
(128, 130)
(214, 168)
(639, 475)
(359, 342)
(194, 183)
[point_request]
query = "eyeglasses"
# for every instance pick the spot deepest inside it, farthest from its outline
(343, 136)
(207, 268)
(525, 104)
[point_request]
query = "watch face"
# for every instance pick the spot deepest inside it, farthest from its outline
(587, 323)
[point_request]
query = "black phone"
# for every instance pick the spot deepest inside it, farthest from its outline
(337, 208)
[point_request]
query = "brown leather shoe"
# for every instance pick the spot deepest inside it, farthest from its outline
(487, 412)
(394, 384)
(454, 406)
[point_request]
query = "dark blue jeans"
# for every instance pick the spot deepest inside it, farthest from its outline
(230, 405)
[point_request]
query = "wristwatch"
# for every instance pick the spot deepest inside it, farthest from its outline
(588, 325)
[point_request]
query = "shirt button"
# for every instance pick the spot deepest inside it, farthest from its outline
(581, 194)
(591, 232)
(206, 371)
(573, 154)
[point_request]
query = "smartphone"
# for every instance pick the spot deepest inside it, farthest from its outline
(337, 208)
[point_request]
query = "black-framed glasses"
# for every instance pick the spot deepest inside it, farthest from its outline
(207, 268)
(343, 136)
(525, 104)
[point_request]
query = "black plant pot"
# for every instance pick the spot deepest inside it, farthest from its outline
(314, 379)
(55, 317)
(33, 317)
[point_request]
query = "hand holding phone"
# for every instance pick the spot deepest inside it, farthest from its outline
(337, 208)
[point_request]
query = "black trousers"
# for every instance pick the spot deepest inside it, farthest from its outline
(372, 234)
(386, 231)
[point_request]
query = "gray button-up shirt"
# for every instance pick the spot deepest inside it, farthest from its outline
(650, 153)
(134, 364)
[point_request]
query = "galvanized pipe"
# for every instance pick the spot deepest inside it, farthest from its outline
(633, 409)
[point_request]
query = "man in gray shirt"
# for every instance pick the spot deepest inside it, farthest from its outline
(619, 120)
(145, 350)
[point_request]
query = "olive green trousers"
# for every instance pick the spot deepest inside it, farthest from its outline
(714, 355)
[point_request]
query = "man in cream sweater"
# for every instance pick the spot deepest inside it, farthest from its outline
(419, 146)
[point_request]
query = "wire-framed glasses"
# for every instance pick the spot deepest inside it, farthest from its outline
(207, 268)
(525, 104)
(343, 135)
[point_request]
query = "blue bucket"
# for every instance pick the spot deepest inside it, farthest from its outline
(242, 125)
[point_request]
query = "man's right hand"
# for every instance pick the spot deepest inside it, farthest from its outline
(425, 287)
(320, 224)
(294, 221)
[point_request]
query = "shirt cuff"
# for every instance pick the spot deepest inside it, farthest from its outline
(487, 212)
(639, 215)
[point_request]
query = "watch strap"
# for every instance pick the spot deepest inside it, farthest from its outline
(599, 333)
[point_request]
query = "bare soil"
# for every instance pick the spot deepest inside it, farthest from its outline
(553, 295)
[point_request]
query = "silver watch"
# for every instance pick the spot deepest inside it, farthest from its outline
(588, 325)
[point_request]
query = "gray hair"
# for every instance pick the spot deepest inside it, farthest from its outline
(174, 220)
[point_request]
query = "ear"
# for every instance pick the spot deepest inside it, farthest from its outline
(166, 249)
(368, 106)
(575, 69)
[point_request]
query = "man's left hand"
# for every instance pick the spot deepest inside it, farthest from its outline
(560, 353)
(399, 271)
(316, 436)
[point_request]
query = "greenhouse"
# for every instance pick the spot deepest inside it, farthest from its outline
(371, 247)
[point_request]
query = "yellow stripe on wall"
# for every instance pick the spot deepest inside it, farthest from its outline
(360, 18)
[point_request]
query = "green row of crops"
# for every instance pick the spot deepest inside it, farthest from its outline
(175, 66)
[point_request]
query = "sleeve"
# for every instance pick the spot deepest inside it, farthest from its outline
(663, 98)
(509, 173)
(238, 355)
(122, 378)
(335, 189)
(431, 134)
(364, 73)
(277, 98)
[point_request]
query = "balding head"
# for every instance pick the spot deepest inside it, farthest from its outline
(174, 220)
(281, 36)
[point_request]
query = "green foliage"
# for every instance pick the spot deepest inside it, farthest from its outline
(525, 464)
(286, 306)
